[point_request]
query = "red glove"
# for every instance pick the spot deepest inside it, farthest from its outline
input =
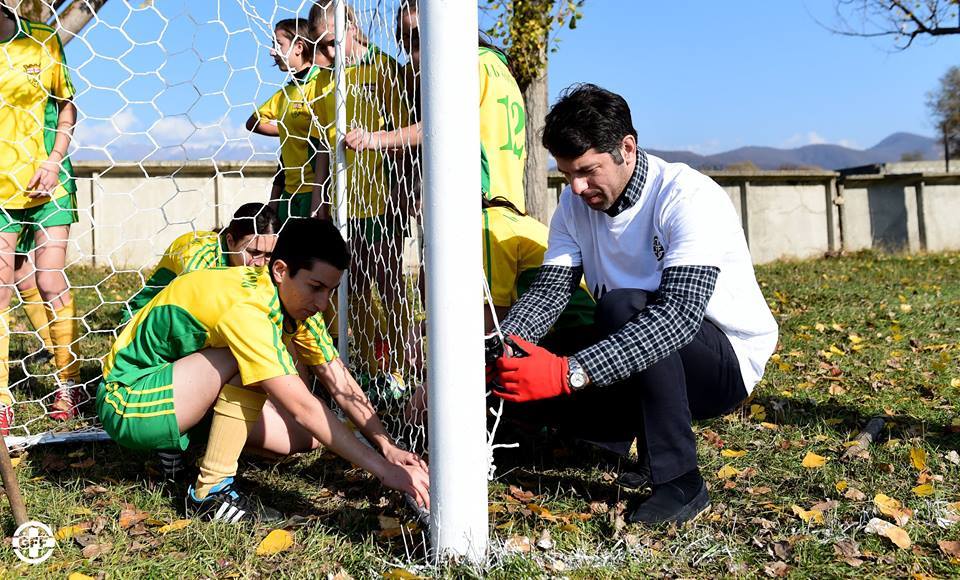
(539, 375)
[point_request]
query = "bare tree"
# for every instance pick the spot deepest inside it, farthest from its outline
(68, 17)
(904, 20)
(944, 105)
(528, 29)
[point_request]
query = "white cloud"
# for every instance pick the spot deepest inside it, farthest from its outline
(814, 138)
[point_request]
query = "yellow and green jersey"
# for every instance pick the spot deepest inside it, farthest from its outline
(292, 109)
(374, 103)
(236, 308)
(33, 77)
(503, 134)
(191, 251)
(513, 248)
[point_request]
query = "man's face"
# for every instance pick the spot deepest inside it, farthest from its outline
(308, 292)
(596, 177)
(410, 37)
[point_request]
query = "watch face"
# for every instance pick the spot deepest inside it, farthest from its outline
(578, 379)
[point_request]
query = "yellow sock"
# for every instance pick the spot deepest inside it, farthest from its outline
(6, 398)
(37, 313)
(235, 413)
(63, 331)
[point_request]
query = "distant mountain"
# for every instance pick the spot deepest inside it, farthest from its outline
(825, 156)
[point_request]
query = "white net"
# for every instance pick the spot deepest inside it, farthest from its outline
(182, 117)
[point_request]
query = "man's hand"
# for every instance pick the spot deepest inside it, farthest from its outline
(411, 479)
(360, 139)
(398, 456)
(538, 375)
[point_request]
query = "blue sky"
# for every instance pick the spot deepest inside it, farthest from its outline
(179, 79)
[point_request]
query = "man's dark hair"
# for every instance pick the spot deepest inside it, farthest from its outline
(253, 218)
(587, 117)
(304, 241)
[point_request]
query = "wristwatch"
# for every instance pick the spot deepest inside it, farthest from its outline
(576, 376)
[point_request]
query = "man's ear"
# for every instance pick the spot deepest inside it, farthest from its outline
(230, 241)
(628, 147)
(279, 271)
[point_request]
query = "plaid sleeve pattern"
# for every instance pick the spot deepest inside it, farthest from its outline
(540, 306)
(672, 318)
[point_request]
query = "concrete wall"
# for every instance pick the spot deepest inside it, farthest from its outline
(129, 213)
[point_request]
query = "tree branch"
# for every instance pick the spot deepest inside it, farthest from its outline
(77, 15)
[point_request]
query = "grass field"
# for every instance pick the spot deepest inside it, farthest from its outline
(861, 336)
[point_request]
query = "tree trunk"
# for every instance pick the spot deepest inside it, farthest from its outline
(540, 201)
(76, 16)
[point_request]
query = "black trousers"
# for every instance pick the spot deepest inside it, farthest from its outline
(657, 405)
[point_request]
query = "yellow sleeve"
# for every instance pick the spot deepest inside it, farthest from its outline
(61, 85)
(391, 91)
(501, 265)
(256, 342)
(312, 342)
(270, 111)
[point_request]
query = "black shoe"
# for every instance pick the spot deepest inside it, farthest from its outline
(172, 467)
(637, 477)
(679, 501)
(225, 504)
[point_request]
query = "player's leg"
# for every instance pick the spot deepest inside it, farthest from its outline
(30, 298)
(51, 256)
(8, 243)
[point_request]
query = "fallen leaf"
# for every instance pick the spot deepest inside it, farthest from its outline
(85, 464)
(893, 533)
(174, 526)
(545, 542)
(841, 486)
(727, 471)
(67, 532)
(918, 458)
(953, 457)
(599, 507)
(276, 541)
(732, 453)
(712, 438)
(813, 461)
(771, 426)
(92, 490)
(759, 490)
(849, 552)
(541, 512)
(905, 308)
(78, 576)
(758, 412)
(855, 494)
(517, 544)
(521, 494)
(923, 490)
(130, 517)
(825, 506)
(776, 569)
(94, 550)
(950, 548)
(401, 574)
(808, 516)
(388, 523)
(86, 539)
(893, 508)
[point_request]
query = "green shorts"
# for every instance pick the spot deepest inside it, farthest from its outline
(141, 415)
(26, 222)
(293, 205)
(375, 229)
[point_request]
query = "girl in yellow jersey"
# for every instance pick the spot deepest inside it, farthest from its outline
(375, 225)
(37, 118)
(289, 115)
(502, 116)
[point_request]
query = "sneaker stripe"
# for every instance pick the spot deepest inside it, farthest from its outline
(237, 517)
(223, 508)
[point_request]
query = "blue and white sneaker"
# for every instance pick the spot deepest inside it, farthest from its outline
(225, 504)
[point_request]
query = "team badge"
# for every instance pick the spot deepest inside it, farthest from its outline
(658, 250)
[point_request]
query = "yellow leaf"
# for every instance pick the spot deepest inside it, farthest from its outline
(541, 512)
(172, 527)
(813, 461)
(401, 574)
(894, 533)
(918, 457)
(78, 576)
(854, 339)
(923, 490)
(732, 453)
(727, 471)
(67, 532)
(15, 461)
(276, 541)
(905, 308)
(820, 327)
(955, 383)
(771, 426)
(841, 486)
(893, 508)
(836, 327)
(808, 516)
(836, 351)
(758, 412)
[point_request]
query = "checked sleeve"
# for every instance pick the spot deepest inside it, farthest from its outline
(540, 306)
(669, 322)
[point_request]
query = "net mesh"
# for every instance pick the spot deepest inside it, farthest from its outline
(167, 94)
